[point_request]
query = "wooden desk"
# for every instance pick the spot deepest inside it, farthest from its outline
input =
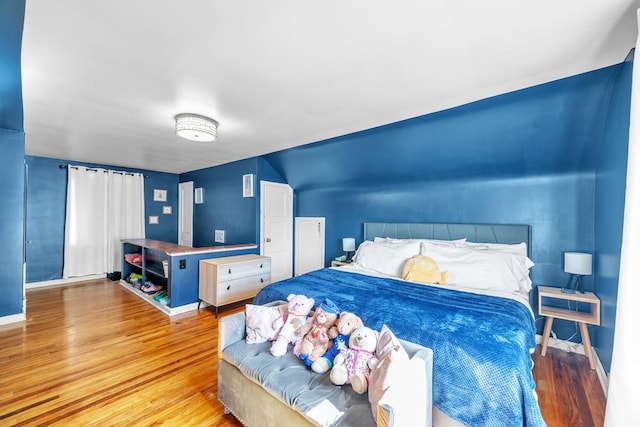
(592, 317)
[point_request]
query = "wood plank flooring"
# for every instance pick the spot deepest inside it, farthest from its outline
(94, 354)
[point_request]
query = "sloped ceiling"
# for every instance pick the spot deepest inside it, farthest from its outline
(102, 81)
(550, 129)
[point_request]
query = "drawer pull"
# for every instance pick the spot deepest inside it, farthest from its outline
(261, 280)
(228, 287)
(260, 265)
(229, 271)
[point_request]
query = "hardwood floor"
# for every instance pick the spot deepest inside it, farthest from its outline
(569, 392)
(94, 354)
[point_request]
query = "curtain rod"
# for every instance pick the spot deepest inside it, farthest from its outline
(96, 170)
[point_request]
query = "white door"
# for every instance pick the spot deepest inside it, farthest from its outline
(276, 227)
(309, 244)
(185, 213)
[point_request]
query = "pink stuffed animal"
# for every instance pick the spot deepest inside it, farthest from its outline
(299, 307)
(353, 365)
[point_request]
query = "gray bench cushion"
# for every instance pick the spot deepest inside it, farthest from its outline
(288, 379)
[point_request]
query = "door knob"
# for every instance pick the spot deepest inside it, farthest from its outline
(268, 239)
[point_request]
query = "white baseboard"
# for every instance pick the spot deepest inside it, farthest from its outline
(578, 348)
(13, 318)
(67, 281)
(602, 375)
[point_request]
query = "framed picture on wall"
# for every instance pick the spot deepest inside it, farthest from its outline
(159, 195)
(247, 185)
(166, 210)
(154, 219)
(199, 196)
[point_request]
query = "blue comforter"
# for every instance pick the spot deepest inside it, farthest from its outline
(482, 364)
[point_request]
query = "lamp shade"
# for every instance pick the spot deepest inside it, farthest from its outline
(348, 244)
(196, 127)
(577, 263)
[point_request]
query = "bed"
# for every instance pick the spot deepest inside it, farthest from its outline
(479, 324)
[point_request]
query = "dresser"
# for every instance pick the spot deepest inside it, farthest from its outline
(231, 279)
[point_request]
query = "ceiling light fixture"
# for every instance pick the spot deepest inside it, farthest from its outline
(196, 127)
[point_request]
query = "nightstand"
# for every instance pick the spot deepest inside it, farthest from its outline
(591, 317)
(335, 263)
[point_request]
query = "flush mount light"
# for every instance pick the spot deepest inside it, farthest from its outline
(196, 127)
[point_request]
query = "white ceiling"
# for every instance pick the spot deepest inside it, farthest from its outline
(102, 81)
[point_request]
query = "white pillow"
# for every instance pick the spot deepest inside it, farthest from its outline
(481, 269)
(516, 249)
(432, 241)
(384, 258)
(403, 403)
(259, 323)
(391, 360)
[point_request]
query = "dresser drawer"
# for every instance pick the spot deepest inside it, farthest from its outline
(237, 270)
(238, 289)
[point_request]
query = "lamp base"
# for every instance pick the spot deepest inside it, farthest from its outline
(349, 257)
(574, 284)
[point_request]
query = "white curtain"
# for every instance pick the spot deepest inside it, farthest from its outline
(623, 404)
(125, 212)
(102, 208)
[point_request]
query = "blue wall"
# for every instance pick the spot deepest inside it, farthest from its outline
(224, 208)
(610, 184)
(46, 205)
(11, 221)
(11, 158)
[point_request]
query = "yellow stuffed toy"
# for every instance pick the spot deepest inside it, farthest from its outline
(422, 269)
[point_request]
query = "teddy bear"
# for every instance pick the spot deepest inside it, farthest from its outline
(339, 333)
(315, 340)
(298, 308)
(353, 365)
(423, 269)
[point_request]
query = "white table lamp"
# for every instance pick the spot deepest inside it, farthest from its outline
(348, 246)
(577, 264)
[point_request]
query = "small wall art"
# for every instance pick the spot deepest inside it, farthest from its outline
(154, 219)
(247, 185)
(166, 210)
(199, 196)
(159, 195)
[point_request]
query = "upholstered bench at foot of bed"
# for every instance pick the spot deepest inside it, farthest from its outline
(263, 390)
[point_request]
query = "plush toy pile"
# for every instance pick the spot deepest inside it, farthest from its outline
(324, 339)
